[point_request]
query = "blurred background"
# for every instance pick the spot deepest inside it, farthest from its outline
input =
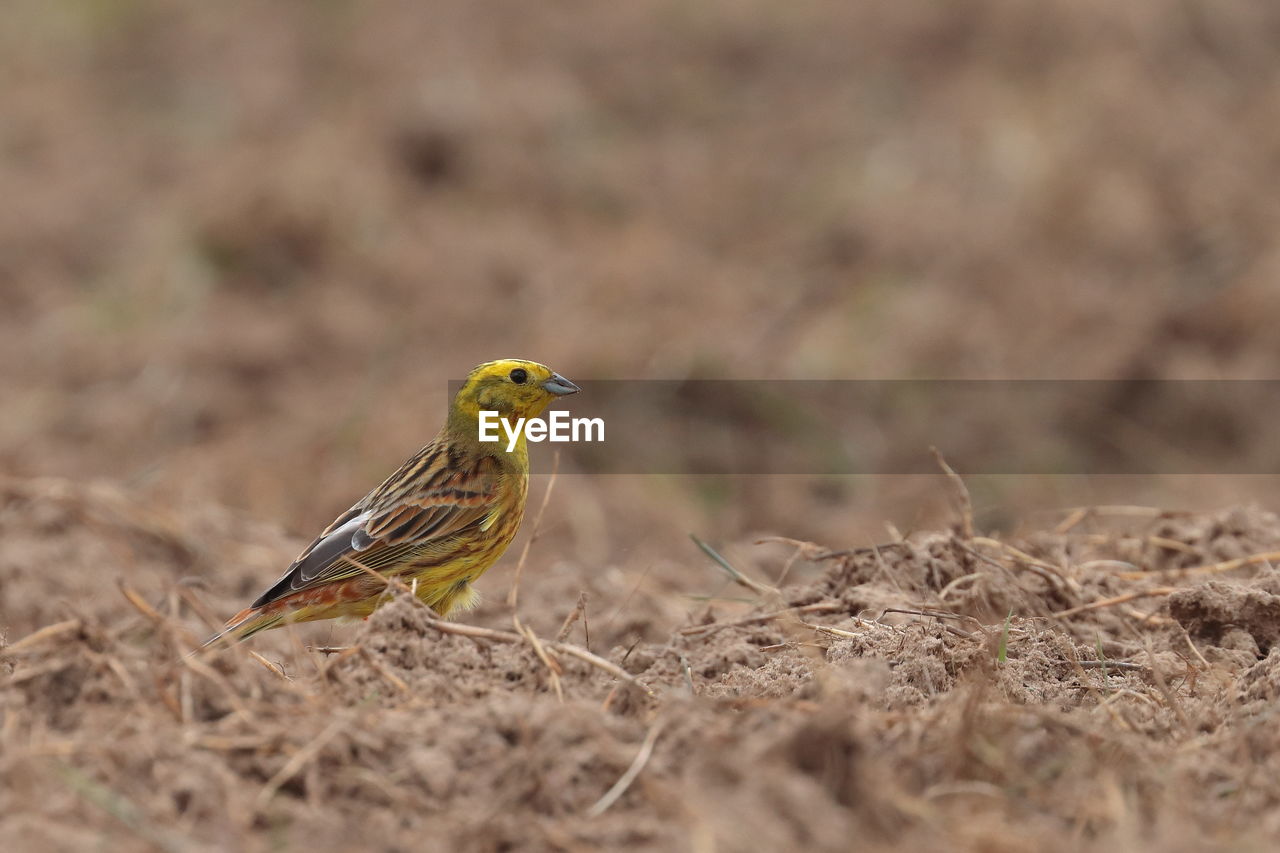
(245, 246)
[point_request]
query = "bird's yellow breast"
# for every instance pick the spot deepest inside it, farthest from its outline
(443, 573)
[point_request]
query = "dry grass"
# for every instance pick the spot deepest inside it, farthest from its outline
(255, 240)
(903, 709)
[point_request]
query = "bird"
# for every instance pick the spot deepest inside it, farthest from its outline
(436, 524)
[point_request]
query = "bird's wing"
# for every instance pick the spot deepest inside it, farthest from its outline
(435, 494)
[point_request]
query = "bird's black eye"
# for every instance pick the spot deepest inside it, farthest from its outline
(519, 375)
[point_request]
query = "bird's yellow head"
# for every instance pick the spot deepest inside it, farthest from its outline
(513, 387)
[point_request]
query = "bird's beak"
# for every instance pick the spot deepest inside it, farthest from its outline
(559, 386)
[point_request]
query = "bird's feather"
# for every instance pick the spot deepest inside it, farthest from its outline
(437, 523)
(386, 526)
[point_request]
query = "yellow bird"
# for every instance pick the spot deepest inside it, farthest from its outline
(436, 524)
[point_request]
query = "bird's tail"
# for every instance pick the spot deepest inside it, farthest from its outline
(243, 625)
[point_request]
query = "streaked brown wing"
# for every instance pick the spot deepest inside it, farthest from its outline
(436, 494)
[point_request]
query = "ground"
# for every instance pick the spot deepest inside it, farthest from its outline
(248, 245)
(886, 694)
